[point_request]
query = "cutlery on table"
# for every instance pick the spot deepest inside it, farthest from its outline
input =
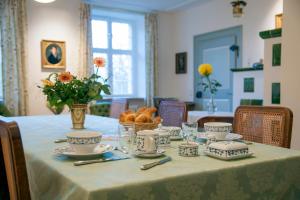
(86, 162)
(244, 141)
(159, 151)
(153, 164)
(121, 150)
(60, 140)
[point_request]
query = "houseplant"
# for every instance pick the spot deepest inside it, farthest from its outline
(205, 70)
(66, 89)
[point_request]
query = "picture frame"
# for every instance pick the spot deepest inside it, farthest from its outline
(181, 63)
(53, 54)
(278, 20)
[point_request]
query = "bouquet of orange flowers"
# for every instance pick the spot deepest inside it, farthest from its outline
(66, 89)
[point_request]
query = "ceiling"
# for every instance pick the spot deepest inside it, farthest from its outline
(146, 5)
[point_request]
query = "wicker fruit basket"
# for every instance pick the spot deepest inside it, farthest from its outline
(142, 126)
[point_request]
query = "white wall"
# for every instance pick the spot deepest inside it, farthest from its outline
(272, 74)
(55, 21)
(238, 86)
(291, 64)
(176, 32)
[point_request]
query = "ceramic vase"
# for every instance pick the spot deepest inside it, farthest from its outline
(78, 115)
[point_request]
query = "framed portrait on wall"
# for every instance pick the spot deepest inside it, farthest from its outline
(53, 54)
(181, 62)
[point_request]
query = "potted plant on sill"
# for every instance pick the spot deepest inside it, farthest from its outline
(65, 89)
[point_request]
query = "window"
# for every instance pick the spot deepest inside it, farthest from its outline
(116, 39)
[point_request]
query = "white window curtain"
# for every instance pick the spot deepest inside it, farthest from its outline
(13, 45)
(85, 50)
(151, 57)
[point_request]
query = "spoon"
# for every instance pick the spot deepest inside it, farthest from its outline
(121, 149)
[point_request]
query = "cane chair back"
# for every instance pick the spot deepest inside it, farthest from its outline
(264, 124)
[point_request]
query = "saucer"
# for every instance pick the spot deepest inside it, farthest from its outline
(69, 152)
(141, 154)
(229, 136)
(176, 138)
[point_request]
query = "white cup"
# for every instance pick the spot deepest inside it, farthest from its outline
(147, 141)
(173, 130)
(164, 137)
(218, 129)
(84, 142)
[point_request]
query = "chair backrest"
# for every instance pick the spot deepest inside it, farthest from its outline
(117, 107)
(157, 100)
(173, 113)
(4, 192)
(264, 124)
(227, 119)
(14, 162)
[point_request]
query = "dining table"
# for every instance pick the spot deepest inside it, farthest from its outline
(271, 173)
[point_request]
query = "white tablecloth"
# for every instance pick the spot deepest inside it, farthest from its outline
(194, 116)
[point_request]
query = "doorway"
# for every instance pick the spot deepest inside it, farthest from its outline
(223, 50)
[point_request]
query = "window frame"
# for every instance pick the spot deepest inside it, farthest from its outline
(110, 51)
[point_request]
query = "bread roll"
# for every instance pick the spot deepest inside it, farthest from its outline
(130, 118)
(122, 117)
(142, 118)
(157, 119)
(150, 111)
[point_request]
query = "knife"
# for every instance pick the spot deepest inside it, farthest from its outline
(60, 140)
(86, 162)
(160, 162)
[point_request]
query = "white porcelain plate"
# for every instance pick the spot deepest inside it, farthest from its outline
(68, 151)
(235, 157)
(140, 154)
(229, 136)
(175, 138)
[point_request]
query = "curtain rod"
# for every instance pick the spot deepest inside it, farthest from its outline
(95, 5)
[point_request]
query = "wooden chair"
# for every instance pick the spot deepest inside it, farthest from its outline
(264, 124)
(12, 156)
(4, 192)
(117, 107)
(203, 120)
(157, 100)
(173, 113)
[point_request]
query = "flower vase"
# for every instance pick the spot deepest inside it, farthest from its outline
(78, 115)
(55, 110)
(211, 105)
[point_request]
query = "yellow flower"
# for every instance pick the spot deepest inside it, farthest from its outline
(99, 62)
(205, 69)
(47, 82)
